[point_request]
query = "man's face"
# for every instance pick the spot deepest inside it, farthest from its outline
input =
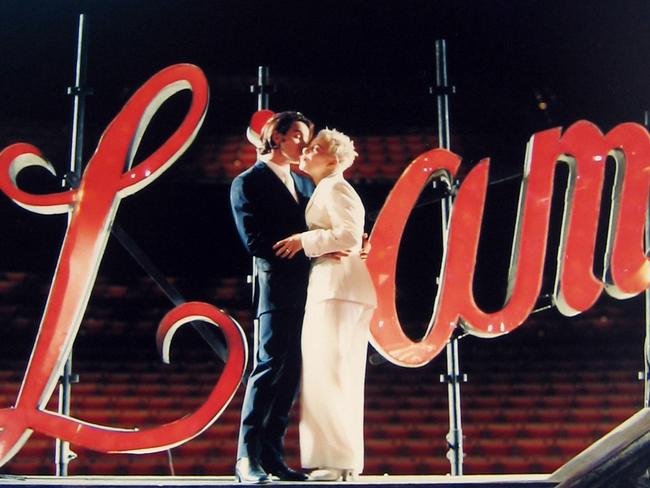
(294, 141)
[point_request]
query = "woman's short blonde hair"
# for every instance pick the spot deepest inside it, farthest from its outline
(340, 146)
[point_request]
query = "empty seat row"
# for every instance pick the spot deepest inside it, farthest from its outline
(380, 157)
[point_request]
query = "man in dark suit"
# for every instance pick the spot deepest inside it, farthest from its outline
(268, 203)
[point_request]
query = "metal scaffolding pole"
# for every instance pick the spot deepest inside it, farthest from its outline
(262, 89)
(63, 454)
(442, 90)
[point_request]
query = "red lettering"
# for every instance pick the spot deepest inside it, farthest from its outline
(585, 150)
(92, 208)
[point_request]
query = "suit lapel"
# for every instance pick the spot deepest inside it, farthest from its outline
(311, 200)
(304, 188)
(271, 176)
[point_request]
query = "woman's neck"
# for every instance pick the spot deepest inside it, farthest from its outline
(321, 176)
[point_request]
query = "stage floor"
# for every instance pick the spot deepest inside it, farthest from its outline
(485, 481)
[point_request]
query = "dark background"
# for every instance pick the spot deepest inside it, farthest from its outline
(362, 67)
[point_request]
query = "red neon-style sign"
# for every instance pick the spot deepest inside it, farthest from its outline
(92, 208)
(585, 150)
(93, 205)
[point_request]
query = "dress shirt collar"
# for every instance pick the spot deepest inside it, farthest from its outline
(282, 172)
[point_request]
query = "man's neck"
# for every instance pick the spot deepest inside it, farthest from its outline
(280, 159)
(284, 165)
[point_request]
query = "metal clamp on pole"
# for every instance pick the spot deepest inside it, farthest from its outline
(446, 378)
(449, 189)
(442, 90)
(79, 91)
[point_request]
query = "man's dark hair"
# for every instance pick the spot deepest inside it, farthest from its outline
(280, 123)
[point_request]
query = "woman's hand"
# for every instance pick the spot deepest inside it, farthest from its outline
(289, 247)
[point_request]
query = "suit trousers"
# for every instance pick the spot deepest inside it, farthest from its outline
(271, 388)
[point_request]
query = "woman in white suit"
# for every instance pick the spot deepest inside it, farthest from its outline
(340, 303)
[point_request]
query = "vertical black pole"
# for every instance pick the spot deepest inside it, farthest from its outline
(63, 454)
(79, 92)
(442, 94)
(262, 90)
(455, 435)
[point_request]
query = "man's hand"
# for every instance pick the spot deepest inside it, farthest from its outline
(365, 246)
(289, 247)
(337, 255)
(363, 252)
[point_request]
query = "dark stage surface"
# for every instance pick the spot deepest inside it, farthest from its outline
(527, 481)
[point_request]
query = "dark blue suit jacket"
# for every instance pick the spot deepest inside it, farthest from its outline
(265, 212)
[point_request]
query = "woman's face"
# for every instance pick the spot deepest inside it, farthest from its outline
(316, 158)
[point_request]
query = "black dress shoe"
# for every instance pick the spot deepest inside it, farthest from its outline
(285, 473)
(249, 471)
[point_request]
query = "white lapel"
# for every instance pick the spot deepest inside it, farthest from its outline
(311, 199)
(324, 183)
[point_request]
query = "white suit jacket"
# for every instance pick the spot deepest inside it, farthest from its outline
(335, 219)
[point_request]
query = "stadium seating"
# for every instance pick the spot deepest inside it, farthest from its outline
(381, 158)
(531, 412)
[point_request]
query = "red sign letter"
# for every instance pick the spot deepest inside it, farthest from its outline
(92, 208)
(585, 150)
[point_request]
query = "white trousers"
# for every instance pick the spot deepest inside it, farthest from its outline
(334, 349)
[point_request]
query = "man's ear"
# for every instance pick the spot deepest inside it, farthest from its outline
(277, 138)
